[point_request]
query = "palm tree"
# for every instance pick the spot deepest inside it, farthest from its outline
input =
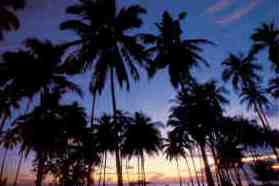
(174, 149)
(241, 71)
(50, 74)
(141, 137)
(204, 100)
(106, 138)
(107, 44)
(267, 36)
(46, 131)
(89, 150)
(9, 21)
(256, 99)
(172, 51)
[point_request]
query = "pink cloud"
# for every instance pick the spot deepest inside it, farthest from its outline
(219, 6)
(236, 15)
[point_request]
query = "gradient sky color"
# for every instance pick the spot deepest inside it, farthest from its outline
(228, 23)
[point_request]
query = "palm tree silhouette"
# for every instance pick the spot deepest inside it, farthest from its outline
(256, 99)
(46, 131)
(106, 138)
(9, 20)
(173, 52)
(202, 99)
(106, 43)
(241, 71)
(50, 72)
(137, 145)
(174, 149)
(267, 36)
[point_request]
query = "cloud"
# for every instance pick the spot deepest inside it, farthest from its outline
(238, 14)
(219, 6)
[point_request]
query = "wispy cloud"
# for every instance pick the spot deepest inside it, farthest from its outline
(238, 14)
(219, 6)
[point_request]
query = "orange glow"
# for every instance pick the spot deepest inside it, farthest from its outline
(275, 166)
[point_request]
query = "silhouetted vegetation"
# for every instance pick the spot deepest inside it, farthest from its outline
(72, 145)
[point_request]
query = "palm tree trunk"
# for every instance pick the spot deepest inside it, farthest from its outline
(189, 171)
(3, 164)
(139, 174)
(209, 177)
(143, 169)
(100, 173)
(5, 117)
(18, 168)
(40, 171)
(127, 171)
(195, 168)
(90, 179)
(117, 150)
(93, 109)
(178, 172)
(238, 176)
(218, 176)
(105, 166)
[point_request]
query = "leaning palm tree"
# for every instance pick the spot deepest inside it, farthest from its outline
(256, 99)
(267, 36)
(141, 137)
(108, 46)
(9, 20)
(173, 52)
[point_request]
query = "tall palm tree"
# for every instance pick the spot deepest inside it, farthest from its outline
(107, 44)
(204, 100)
(267, 37)
(46, 131)
(172, 51)
(142, 137)
(9, 21)
(256, 99)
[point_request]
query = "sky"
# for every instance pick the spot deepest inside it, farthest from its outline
(228, 23)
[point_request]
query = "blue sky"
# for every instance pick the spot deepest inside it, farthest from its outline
(228, 23)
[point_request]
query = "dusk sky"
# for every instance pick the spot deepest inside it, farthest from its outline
(228, 23)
